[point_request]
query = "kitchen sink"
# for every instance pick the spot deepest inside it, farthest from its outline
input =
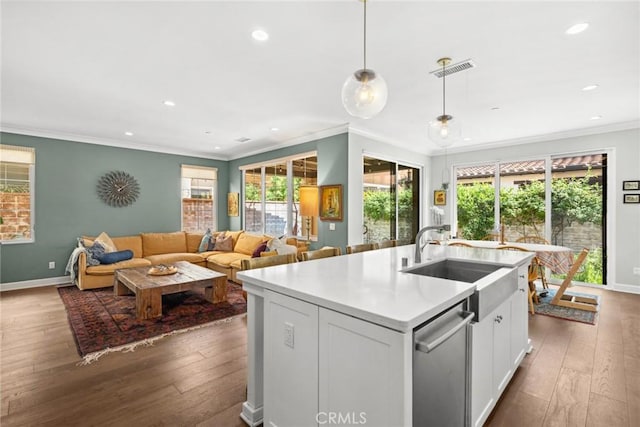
(494, 282)
(462, 271)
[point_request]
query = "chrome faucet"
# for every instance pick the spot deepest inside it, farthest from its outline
(445, 227)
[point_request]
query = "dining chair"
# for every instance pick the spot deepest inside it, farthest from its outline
(533, 239)
(532, 275)
(353, 249)
(321, 253)
(387, 244)
(542, 241)
(492, 237)
(467, 245)
(572, 301)
(268, 261)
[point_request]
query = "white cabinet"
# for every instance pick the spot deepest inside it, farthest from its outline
(365, 371)
(502, 364)
(495, 342)
(290, 361)
(520, 319)
(323, 367)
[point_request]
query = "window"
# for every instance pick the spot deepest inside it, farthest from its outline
(272, 193)
(559, 198)
(391, 201)
(199, 198)
(17, 213)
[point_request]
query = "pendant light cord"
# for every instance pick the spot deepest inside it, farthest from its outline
(365, 34)
(444, 79)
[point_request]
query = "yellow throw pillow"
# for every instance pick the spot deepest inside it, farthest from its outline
(106, 242)
(248, 243)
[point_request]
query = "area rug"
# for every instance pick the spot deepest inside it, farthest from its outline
(102, 323)
(547, 309)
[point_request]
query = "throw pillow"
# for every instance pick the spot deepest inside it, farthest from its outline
(281, 247)
(94, 252)
(224, 244)
(113, 257)
(212, 241)
(106, 242)
(259, 250)
(204, 243)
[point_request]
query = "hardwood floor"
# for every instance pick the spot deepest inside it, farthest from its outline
(579, 374)
(576, 375)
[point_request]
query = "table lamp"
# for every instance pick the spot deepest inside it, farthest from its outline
(308, 204)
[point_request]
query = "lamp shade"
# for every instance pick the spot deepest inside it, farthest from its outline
(309, 200)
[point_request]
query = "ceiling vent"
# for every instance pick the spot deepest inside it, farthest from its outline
(243, 139)
(454, 68)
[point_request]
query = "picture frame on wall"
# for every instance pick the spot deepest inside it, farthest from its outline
(630, 185)
(233, 200)
(632, 198)
(439, 197)
(331, 208)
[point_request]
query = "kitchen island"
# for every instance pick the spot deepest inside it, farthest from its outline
(334, 337)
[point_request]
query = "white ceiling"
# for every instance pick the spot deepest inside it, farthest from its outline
(89, 71)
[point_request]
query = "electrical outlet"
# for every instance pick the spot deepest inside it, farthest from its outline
(636, 271)
(288, 334)
(52, 265)
(332, 226)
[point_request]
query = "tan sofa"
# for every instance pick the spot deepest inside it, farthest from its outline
(164, 248)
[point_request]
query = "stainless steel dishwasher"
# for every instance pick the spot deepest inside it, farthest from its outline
(441, 369)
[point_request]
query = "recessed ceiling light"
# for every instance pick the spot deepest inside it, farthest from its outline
(169, 103)
(260, 35)
(578, 28)
(495, 108)
(128, 133)
(467, 139)
(590, 87)
(217, 148)
(595, 118)
(207, 132)
(275, 129)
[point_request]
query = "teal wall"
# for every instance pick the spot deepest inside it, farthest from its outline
(66, 204)
(332, 169)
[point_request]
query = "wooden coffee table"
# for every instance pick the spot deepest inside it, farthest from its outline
(149, 289)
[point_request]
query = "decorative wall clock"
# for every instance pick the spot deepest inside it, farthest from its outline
(118, 189)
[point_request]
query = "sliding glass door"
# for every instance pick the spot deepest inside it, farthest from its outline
(558, 199)
(578, 214)
(391, 201)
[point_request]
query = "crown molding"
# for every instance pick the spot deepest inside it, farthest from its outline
(573, 133)
(106, 142)
(311, 136)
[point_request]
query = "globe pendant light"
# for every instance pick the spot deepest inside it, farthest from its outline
(364, 93)
(443, 130)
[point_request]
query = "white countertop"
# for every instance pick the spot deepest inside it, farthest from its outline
(370, 285)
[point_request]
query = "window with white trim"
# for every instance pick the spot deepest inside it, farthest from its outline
(271, 196)
(199, 198)
(17, 184)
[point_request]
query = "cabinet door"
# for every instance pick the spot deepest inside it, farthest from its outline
(364, 372)
(520, 319)
(482, 400)
(290, 361)
(502, 363)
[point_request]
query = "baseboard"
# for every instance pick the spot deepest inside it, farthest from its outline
(622, 287)
(37, 283)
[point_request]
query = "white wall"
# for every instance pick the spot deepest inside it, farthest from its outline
(359, 145)
(624, 164)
